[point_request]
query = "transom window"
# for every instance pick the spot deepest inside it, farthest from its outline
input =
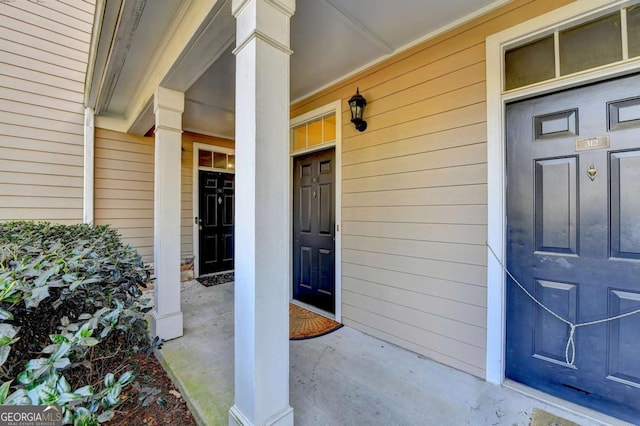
(603, 41)
(216, 160)
(316, 132)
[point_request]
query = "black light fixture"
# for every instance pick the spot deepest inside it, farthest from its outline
(357, 104)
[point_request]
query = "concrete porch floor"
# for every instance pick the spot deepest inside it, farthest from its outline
(343, 378)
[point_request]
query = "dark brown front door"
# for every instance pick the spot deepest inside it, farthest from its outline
(216, 221)
(314, 229)
(573, 241)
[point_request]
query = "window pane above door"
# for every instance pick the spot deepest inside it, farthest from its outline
(531, 63)
(633, 30)
(590, 45)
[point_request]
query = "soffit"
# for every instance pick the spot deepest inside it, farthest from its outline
(330, 39)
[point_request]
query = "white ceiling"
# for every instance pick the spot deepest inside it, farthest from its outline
(330, 39)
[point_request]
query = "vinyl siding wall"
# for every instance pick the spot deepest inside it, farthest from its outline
(43, 58)
(414, 200)
(123, 187)
(124, 171)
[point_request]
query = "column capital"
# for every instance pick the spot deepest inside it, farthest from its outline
(265, 20)
(168, 99)
(287, 7)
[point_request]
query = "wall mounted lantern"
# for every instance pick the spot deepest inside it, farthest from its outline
(357, 104)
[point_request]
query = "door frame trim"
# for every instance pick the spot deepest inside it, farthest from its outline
(496, 44)
(336, 107)
(195, 194)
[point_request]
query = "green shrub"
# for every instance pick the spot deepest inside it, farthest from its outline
(69, 298)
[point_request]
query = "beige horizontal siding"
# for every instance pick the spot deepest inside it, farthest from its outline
(46, 16)
(414, 200)
(124, 185)
(44, 49)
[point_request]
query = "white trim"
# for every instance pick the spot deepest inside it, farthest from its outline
(433, 34)
(572, 14)
(314, 148)
(322, 111)
(89, 164)
(625, 34)
(195, 194)
(317, 113)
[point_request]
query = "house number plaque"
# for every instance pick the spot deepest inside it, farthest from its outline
(586, 144)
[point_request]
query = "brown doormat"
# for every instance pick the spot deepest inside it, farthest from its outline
(543, 418)
(304, 324)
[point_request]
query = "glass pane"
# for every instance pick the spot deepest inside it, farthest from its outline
(633, 27)
(315, 132)
(329, 124)
(530, 63)
(232, 162)
(219, 160)
(590, 45)
(204, 158)
(299, 137)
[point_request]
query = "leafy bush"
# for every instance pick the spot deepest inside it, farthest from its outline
(70, 299)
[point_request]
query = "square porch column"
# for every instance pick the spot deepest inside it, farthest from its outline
(166, 317)
(262, 276)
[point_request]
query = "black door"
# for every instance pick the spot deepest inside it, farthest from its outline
(573, 241)
(314, 230)
(216, 221)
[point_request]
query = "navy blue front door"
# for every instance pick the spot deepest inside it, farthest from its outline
(573, 241)
(314, 229)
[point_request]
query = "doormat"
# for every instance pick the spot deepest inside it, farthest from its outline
(543, 418)
(304, 324)
(215, 279)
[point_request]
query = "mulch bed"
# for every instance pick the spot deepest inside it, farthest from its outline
(151, 400)
(215, 279)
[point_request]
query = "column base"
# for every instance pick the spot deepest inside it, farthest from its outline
(282, 418)
(166, 327)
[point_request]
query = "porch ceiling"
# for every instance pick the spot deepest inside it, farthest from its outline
(330, 39)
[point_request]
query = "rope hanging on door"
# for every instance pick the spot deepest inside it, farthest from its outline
(570, 348)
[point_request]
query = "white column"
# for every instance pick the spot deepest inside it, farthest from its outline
(89, 142)
(167, 316)
(262, 276)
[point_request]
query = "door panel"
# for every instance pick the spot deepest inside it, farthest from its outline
(216, 221)
(624, 347)
(314, 230)
(573, 240)
(549, 333)
(555, 205)
(625, 204)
